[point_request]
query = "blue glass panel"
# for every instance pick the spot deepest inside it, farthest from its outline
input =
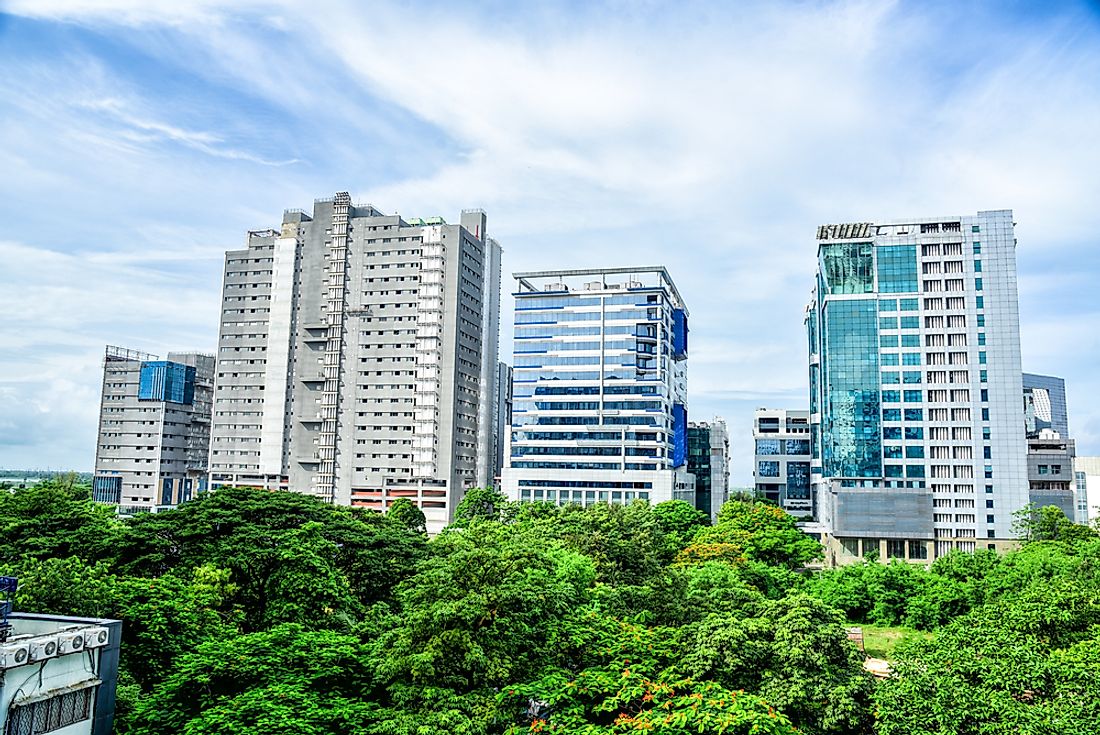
(888, 305)
(767, 469)
(889, 358)
(846, 268)
(891, 432)
(798, 480)
(897, 268)
(891, 414)
(914, 452)
(891, 396)
(910, 305)
(914, 432)
(796, 446)
(910, 358)
(913, 396)
(851, 439)
(914, 414)
(888, 322)
(679, 434)
(893, 470)
(889, 340)
(910, 322)
(914, 470)
(910, 340)
(891, 452)
(767, 446)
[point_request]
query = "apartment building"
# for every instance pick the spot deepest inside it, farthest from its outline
(599, 396)
(357, 358)
(917, 446)
(781, 465)
(154, 429)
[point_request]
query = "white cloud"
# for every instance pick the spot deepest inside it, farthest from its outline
(710, 138)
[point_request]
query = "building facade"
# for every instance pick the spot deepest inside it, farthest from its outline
(781, 464)
(357, 358)
(708, 460)
(917, 446)
(1045, 405)
(57, 673)
(599, 397)
(1086, 475)
(503, 417)
(154, 429)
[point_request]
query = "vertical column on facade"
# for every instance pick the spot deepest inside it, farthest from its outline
(429, 356)
(325, 479)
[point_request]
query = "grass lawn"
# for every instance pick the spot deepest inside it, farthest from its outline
(880, 641)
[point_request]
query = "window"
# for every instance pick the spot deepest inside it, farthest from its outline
(888, 340)
(910, 322)
(889, 358)
(891, 452)
(977, 266)
(975, 228)
(987, 453)
(979, 302)
(981, 339)
(911, 376)
(891, 414)
(47, 715)
(985, 414)
(888, 305)
(914, 452)
(981, 320)
(982, 358)
(891, 432)
(913, 396)
(1044, 469)
(909, 304)
(914, 470)
(977, 248)
(914, 414)
(890, 378)
(767, 469)
(891, 396)
(910, 358)
(888, 322)
(910, 340)
(914, 433)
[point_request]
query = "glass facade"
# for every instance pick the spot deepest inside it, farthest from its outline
(851, 439)
(848, 268)
(897, 268)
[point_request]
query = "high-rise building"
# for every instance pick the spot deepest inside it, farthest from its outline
(154, 429)
(782, 460)
(917, 446)
(1045, 404)
(1086, 474)
(708, 461)
(599, 410)
(502, 416)
(1050, 451)
(357, 358)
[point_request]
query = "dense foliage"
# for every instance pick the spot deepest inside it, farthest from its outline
(250, 612)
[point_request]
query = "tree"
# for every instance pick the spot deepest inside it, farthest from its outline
(480, 503)
(764, 532)
(56, 519)
(1049, 523)
(679, 519)
(408, 515)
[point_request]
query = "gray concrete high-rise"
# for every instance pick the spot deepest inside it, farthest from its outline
(154, 429)
(357, 358)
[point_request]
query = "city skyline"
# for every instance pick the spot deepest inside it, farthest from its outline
(167, 133)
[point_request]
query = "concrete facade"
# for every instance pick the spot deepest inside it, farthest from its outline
(599, 391)
(781, 465)
(357, 358)
(916, 437)
(1050, 472)
(59, 674)
(152, 446)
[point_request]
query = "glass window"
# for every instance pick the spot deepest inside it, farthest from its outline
(910, 358)
(914, 452)
(909, 305)
(985, 395)
(983, 376)
(917, 550)
(847, 268)
(890, 378)
(987, 453)
(910, 340)
(893, 470)
(914, 414)
(1044, 469)
(914, 396)
(979, 302)
(897, 268)
(981, 338)
(888, 340)
(985, 414)
(912, 376)
(888, 322)
(914, 432)
(891, 432)
(982, 359)
(852, 390)
(891, 396)
(977, 284)
(796, 446)
(891, 414)
(767, 446)
(889, 358)
(910, 322)
(895, 548)
(914, 470)
(977, 266)
(888, 305)
(975, 228)
(891, 452)
(767, 469)
(977, 248)
(986, 433)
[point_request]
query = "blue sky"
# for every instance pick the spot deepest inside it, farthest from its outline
(142, 139)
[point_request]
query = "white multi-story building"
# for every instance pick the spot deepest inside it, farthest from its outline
(782, 460)
(917, 441)
(1086, 474)
(599, 411)
(357, 358)
(154, 429)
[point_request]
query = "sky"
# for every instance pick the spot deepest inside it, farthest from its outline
(142, 139)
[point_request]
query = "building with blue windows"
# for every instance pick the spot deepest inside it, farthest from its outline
(781, 468)
(917, 446)
(599, 388)
(154, 429)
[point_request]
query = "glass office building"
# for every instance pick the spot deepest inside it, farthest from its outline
(599, 388)
(916, 441)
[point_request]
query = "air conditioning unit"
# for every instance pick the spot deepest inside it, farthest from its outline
(14, 653)
(96, 637)
(43, 647)
(70, 641)
(593, 286)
